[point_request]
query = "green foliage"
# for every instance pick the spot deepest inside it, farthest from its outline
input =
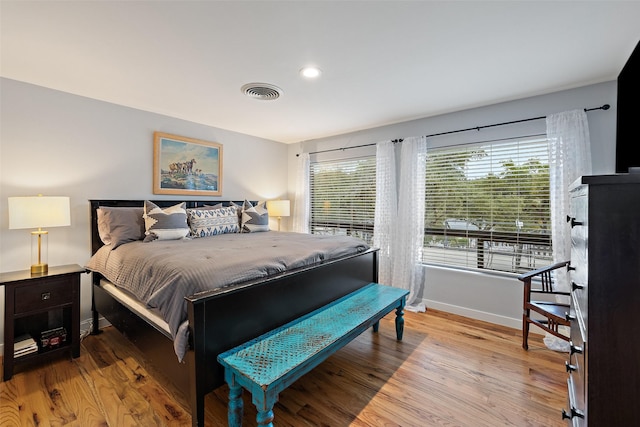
(520, 192)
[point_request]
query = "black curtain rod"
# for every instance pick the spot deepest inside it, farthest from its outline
(604, 107)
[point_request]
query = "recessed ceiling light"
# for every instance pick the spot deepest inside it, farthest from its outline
(310, 72)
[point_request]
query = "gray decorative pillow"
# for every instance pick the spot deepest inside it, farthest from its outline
(118, 225)
(254, 218)
(165, 224)
(210, 222)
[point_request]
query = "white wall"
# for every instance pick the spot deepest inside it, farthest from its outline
(492, 297)
(56, 143)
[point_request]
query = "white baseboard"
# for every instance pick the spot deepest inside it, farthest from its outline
(474, 314)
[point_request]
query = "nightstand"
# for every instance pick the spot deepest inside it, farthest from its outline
(33, 305)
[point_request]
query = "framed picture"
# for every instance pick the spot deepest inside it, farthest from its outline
(186, 166)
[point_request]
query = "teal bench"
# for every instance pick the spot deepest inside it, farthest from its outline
(267, 365)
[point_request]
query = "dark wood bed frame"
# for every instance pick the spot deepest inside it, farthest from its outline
(222, 319)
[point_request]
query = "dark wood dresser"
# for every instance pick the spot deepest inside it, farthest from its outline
(604, 363)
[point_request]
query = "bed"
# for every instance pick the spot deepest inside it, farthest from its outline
(220, 319)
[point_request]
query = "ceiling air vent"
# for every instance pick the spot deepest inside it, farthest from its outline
(263, 91)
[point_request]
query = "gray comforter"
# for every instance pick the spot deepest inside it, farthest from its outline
(162, 273)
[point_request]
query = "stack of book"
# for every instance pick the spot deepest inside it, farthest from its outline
(24, 345)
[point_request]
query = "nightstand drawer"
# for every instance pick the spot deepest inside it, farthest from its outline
(53, 292)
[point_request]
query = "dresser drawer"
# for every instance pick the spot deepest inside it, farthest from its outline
(577, 360)
(574, 415)
(44, 295)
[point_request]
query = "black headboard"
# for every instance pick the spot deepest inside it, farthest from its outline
(96, 243)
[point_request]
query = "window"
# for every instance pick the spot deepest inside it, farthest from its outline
(487, 206)
(343, 197)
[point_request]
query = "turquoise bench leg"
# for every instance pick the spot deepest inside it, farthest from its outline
(264, 402)
(400, 320)
(235, 409)
(265, 418)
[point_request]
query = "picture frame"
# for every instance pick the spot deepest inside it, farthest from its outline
(186, 166)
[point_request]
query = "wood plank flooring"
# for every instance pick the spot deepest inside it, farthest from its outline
(447, 371)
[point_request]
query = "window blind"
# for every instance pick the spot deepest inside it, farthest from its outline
(487, 206)
(343, 196)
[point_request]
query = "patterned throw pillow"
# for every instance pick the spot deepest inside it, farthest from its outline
(254, 218)
(165, 224)
(210, 222)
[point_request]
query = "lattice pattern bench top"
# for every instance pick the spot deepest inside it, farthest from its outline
(271, 356)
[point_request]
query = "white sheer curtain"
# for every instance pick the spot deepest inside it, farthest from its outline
(408, 272)
(301, 206)
(569, 158)
(399, 217)
(386, 208)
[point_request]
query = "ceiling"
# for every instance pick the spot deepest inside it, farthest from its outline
(383, 62)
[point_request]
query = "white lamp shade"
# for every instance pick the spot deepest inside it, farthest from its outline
(279, 208)
(39, 211)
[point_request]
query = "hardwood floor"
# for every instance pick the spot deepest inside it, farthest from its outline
(448, 371)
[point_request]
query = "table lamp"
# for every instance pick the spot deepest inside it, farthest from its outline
(279, 208)
(38, 212)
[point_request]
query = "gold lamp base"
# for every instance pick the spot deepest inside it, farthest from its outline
(39, 255)
(40, 269)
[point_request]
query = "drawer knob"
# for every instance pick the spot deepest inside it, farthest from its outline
(575, 286)
(575, 348)
(45, 296)
(570, 367)
(573, 221)
(570, 267)
(574, 413)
